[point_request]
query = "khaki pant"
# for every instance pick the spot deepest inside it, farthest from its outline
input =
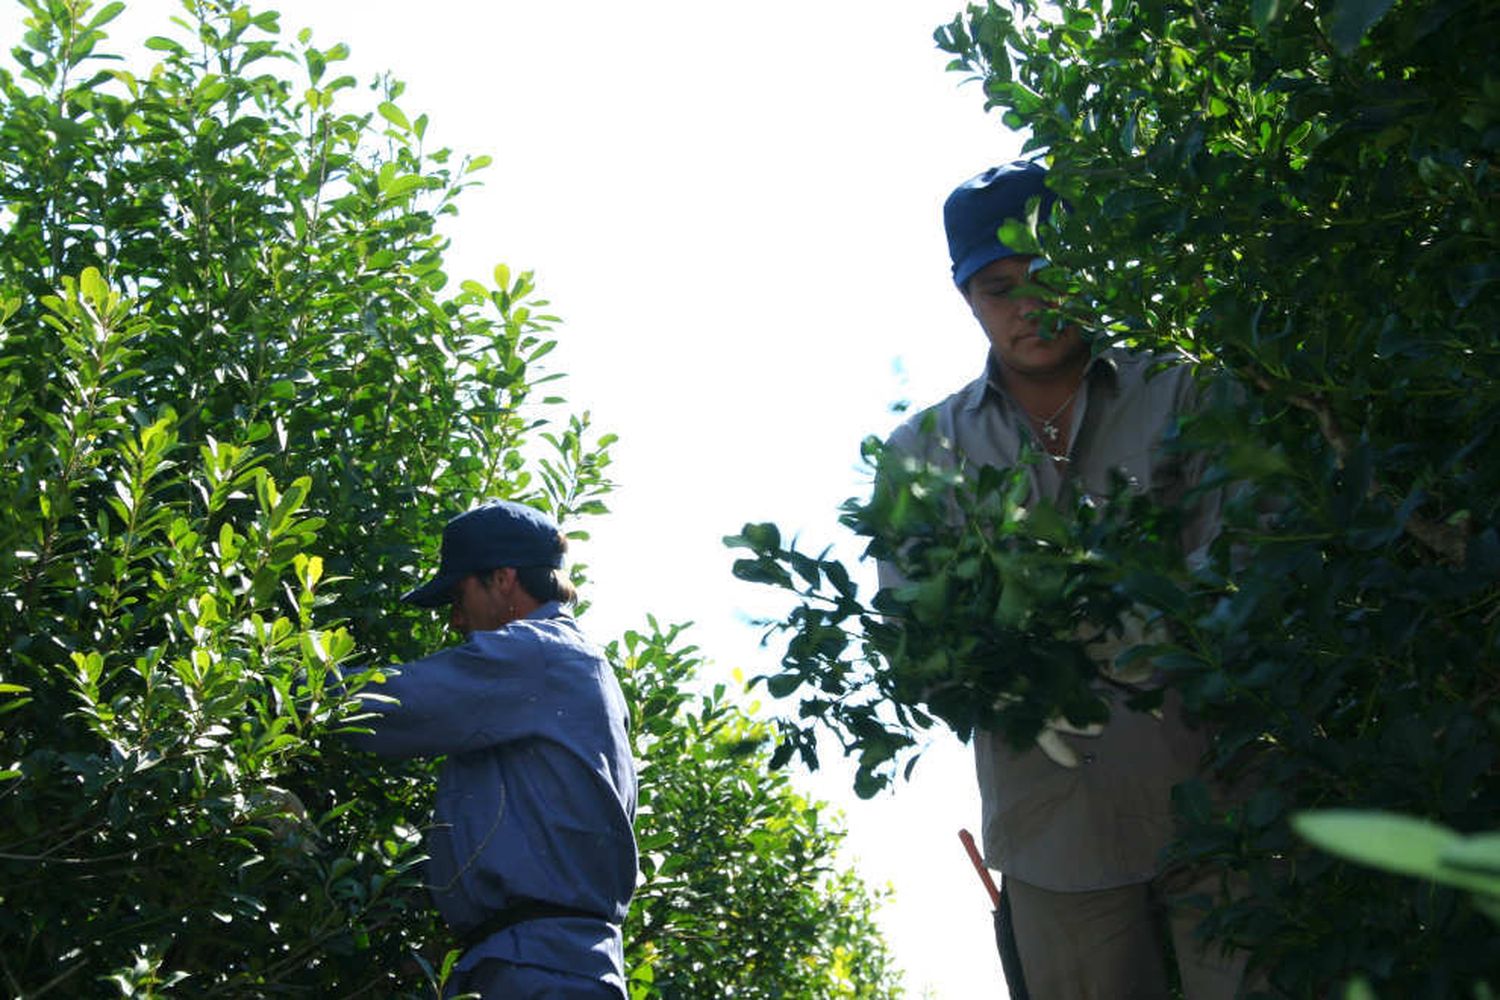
(1106, 945)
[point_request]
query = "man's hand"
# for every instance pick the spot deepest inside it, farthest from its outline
(1105, 648)
(1050, 740)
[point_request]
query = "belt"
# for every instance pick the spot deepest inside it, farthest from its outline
(520, 913)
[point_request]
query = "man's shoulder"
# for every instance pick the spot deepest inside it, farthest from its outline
(935, 423)
(555, 636)
(1157, 375)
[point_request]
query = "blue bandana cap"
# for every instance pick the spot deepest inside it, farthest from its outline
(496, 533)
(974, 212)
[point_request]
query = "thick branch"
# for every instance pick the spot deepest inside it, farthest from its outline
(1318, 407)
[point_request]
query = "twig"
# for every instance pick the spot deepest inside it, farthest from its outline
(10, 977)
(56, 847)
(57, 980)
(1318, 407)
(1448, 542)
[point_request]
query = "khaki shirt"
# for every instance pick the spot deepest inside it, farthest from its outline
(1102, 824)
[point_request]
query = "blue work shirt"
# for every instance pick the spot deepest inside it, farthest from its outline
(537, 797)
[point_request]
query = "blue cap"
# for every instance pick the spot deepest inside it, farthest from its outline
(496, 533)
(974, 212)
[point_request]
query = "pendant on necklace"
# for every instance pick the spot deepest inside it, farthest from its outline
(1050, 429)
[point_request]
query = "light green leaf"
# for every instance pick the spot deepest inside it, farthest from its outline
(106, 14)
(391, 113)
(160, 44)
(314, 571)
(93, 286)
(1404, 845)
(401, 186)
(1019, 237)
(1479, 854)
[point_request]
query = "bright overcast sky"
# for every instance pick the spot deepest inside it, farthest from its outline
(735, 208)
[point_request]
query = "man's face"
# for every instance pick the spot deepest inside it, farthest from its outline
(1011, 322)
(478, 605)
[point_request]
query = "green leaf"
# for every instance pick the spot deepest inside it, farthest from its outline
(868, 783)
(783, 684)
(1479, 854)
(761, 571)
(763, 538)
(806, 568)
(161, 44)
(1351, 20)
(93, 286)
(399, 187)
(288, 504)
(106, 14)
(1045, 522)
(1264, 13)
(391, 113)
(1264, 808)
(1390, 842)
(1154, 590)
(1019, 237)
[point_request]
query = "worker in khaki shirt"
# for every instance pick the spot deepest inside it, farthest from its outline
(1077, 824)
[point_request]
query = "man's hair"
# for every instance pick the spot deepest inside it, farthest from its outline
(544, 583)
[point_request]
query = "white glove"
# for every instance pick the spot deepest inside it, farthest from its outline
(1051, 744)
(1049, 740)
(1106, 647)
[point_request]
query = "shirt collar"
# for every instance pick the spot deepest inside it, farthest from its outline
(1102, 367)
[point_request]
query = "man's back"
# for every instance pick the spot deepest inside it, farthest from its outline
(536, 799)
(531, 852)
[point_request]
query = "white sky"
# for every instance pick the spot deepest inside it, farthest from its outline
(735, 208)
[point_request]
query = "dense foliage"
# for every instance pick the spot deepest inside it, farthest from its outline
(238, 394)
(739, 894)
(264, 396)
(1300, 199)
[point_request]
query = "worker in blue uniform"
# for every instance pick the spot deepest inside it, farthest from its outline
(532, 856)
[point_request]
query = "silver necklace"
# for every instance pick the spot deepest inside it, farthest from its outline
(1049, 427)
